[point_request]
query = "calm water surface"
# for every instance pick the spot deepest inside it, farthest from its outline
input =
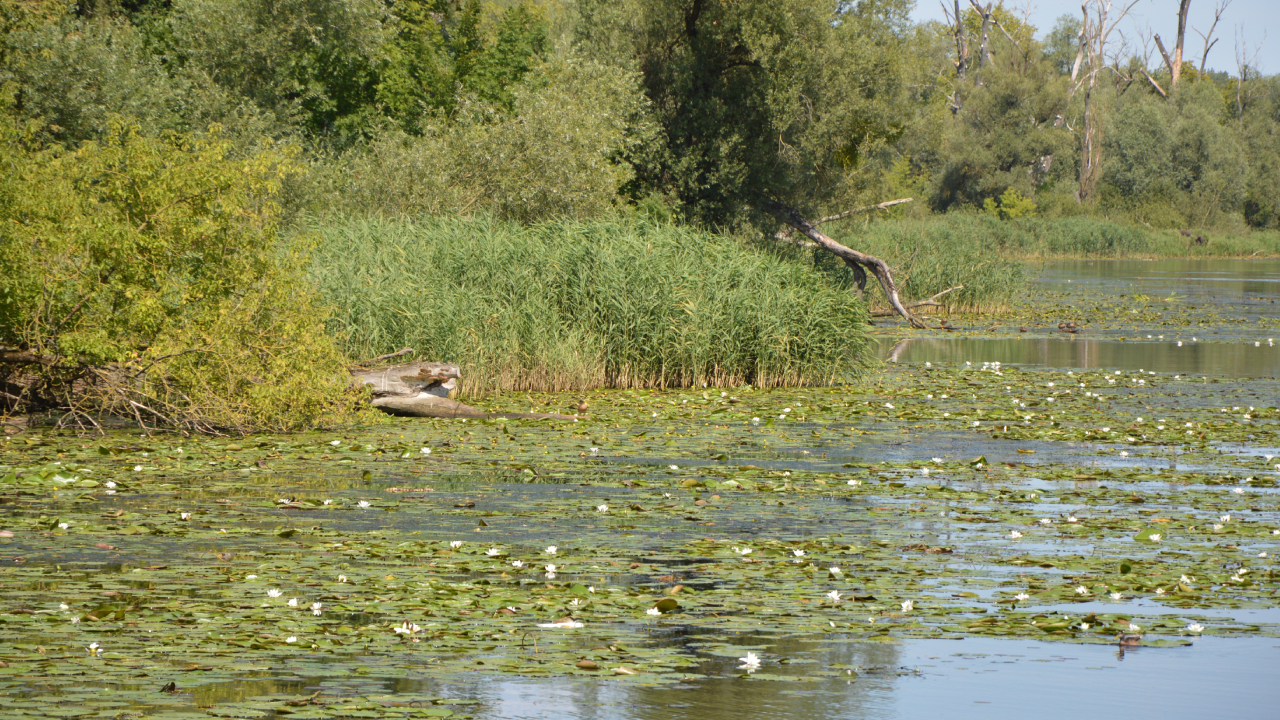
(1241, 298)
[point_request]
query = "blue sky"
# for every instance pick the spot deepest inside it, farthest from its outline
(1258, 20)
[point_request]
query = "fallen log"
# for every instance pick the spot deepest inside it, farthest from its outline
(423, 389)
(931, 301)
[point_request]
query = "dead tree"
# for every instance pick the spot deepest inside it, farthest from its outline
(984, 59)
(1209, 40)
(1094, 37)
(1174, 63)
(858, 262)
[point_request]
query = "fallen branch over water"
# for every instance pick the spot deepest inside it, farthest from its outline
(422, 389)
(931, 301)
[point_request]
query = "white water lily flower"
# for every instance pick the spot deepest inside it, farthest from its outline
(455, 544)
(1014, 534)
(673, 467)
(855, 483)
(293, 602)
(1084, 626)
(291, 639)
(363, 503)
(1021, 596)
(185, 515)
(834, 596)
(1046, 521)
(595, 451)
(316, 607)
(835, 571)
(517, 564)
(64, 607)
(94, 649)
(1082, 590)
(64, 526)
(493, 552)
(576, 602)
(602, 508)
(137, 468)
(1186, 580)
(1217, 526)
(742, 551)
(1116, 596)
(327, 502)
(1071, 519)
(342, 578)
(1124, 453)
(591, 588)
(1159, 591)
(653, 611)
(274, 593)
(908, 605)
(1134, 628)
(1155, 537)
(1225, 518)
(250, 577)
(798, 552)
(889, 405)
(750, 663)
(112, 483)
(551, 569)
(937, 460)
(1238, 491)
(551, 549)
(407, 628)
(1195, 628)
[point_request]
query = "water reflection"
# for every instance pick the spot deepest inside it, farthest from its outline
(1221, 359)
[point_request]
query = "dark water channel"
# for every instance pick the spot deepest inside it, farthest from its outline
(1216, 317)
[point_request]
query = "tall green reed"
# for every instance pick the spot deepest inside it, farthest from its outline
(580, 304)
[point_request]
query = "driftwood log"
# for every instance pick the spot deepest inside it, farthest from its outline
(423, 389)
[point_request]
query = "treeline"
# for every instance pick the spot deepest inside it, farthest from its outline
(698, 110)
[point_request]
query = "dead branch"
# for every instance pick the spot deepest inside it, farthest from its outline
(855, 211)
(399, 353)
(1155, 85)
(931, 301)
(852, 257)
(1209, 42)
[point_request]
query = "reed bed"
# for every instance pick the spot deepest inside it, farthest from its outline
(576, 305)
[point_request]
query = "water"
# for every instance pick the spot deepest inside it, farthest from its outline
(1135, 314)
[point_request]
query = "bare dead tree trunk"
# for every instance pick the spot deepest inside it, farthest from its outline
(985, 13)
(1095, 35)
(858, 261)
(954, 19)
(1174, 63)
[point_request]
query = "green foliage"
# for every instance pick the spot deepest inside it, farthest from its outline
(756, 99)
(1010, 206)
(574, 305)
(557, 155)
(149, 269)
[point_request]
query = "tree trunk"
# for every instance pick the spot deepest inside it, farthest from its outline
(422, 389)
(878, 267)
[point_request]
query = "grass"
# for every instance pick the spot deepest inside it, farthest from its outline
(578, 305)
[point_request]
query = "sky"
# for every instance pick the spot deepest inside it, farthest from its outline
(1257, 20)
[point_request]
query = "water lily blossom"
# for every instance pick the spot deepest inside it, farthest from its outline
(1082, 590)
(908, 605)
(407, 628)
(274, 593)
(342, 578)
(551, 549)
(834, 596)
(293, 602)
(291, 639)
(455, 544)
(493, 552)
(1134, 628)
(363, 503)
(798, 552)
(1195, 628)
(750, 663)
(602, 508)
(653, 611)
(517, 564)
(564, 623)
(1117, 596)
(95, 649)
(316, 608)
(1021, 596)
(1014, 534)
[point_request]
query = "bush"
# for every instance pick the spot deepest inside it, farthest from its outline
(147, 277)
(574, 305)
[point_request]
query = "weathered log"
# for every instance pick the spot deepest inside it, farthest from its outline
(422, 389)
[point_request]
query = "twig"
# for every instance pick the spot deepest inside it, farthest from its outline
(931, 301)
(855, 211)
(399, 353)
